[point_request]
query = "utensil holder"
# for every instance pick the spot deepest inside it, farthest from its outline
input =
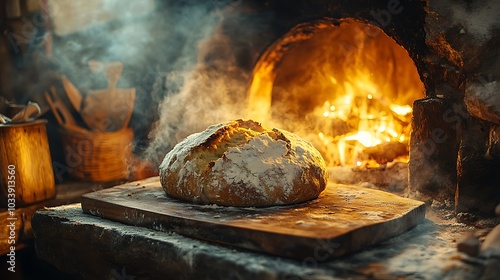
(25, 164)
(98, 157)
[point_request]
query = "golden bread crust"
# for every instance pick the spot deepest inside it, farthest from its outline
(241, 163)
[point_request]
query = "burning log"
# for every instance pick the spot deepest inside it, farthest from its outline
(387, 152)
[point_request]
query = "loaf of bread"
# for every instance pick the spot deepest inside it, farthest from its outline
(241, 163)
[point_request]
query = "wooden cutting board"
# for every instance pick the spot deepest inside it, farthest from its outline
(342, 220)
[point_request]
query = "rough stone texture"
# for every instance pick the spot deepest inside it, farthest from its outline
(468, 31)
(477, 42)
(433, 149)
(466, 36)
(67, 192)
(466, 218)
(469, 245)
(93, 248)
(491, 250)
(491, 270)
(266, 21)
(478, 169)
(491, 244)
(483, 101)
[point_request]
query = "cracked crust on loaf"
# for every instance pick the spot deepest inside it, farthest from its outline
(242, 163)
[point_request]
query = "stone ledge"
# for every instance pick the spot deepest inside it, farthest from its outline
(68, 192)
(93, 248)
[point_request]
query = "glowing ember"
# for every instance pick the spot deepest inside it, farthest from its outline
(374, 121)
(366, 138)
(401, 110)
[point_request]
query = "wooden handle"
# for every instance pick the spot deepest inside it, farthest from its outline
(4, 119)
(74, 95)
(31, 110)
(61, 113)
(61, 109)
(51, 100)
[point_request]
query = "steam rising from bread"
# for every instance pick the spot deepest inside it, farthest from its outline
(212, 93)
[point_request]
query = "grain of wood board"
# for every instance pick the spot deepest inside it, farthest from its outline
(342, 220)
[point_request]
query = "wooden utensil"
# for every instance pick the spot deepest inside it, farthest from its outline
(31, 110)
(61, 112)
(103, 113)
(4, 119)
(108, 109)
(74, 95)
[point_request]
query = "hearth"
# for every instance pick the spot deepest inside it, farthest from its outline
(342, 74)
(354, 78)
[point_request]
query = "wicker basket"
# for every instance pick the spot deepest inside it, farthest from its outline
(98, 157)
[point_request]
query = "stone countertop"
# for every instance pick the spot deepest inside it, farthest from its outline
(70, 191)
(94, 248)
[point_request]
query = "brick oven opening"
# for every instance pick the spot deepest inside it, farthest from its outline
(344, 85)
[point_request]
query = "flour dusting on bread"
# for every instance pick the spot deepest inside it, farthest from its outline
(241, 163)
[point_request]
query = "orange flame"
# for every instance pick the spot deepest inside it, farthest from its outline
(345, 88)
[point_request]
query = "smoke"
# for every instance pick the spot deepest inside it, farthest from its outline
(213, 92)
(479, 18)
(174, 53)
(160, 36)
